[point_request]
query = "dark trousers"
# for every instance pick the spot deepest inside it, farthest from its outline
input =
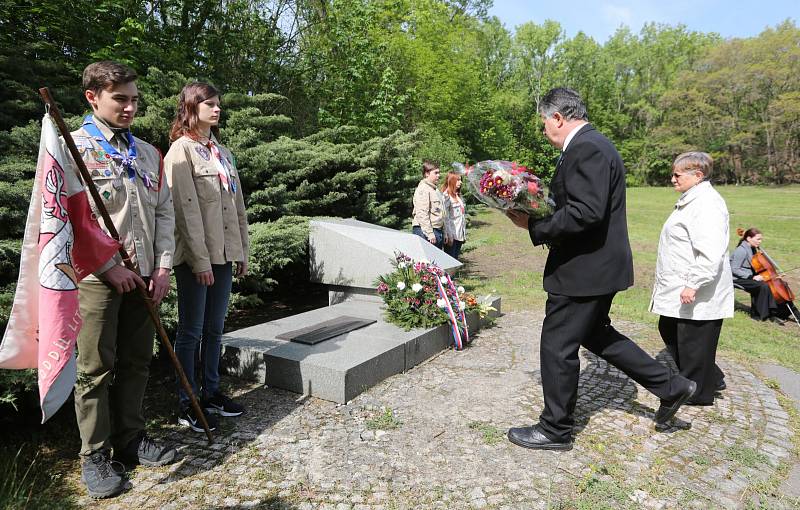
(762, 304)
(201, 319)
(437, 233)
(693, 346)
(454, 249)
(571, 322)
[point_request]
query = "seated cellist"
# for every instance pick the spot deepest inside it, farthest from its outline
(762, 303)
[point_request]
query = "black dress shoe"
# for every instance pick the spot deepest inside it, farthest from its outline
(667, 411)
(693, 402)
(533, 437)
(721, 386)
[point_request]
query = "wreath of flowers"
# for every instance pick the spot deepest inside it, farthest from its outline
(420, 294)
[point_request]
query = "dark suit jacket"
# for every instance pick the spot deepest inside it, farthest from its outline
(590, 254)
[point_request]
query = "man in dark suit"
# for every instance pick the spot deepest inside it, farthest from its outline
(589, 262)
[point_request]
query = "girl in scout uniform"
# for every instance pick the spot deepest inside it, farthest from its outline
(211, 243)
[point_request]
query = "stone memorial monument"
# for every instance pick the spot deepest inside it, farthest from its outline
(338, 351)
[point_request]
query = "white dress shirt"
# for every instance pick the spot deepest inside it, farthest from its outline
(571, 135)
(693, 252)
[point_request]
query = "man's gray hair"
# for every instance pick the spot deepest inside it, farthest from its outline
(565, 101)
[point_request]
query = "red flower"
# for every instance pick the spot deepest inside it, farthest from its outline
(533, 188)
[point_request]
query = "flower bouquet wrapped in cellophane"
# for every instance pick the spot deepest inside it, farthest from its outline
(506, 185)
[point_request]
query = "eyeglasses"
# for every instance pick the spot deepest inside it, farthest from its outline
(678, 176)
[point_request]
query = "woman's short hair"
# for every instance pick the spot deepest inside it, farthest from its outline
(185, 122)
(101, 75)
(449, 185)
(694, 161)
(428, 167)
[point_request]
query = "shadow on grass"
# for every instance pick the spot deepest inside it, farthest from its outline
(476, 223)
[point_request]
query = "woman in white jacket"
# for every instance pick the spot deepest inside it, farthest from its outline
(693, 288)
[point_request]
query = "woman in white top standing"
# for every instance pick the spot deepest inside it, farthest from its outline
(455, 223)
(693, 288)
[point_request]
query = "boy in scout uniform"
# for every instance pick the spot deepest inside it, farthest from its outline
(427, 220)
(115, 344)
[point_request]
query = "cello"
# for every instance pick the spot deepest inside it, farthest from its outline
(766, 267)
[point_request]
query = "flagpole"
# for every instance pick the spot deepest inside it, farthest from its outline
(44, 92)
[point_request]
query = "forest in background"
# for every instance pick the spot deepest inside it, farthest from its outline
(441, 68)
(330, 106)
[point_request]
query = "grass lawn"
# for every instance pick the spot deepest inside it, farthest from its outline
(501, 260)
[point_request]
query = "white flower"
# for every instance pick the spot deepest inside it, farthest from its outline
(416, 287)
(505, 176)
(440, 303)
(460, 289)
(401, 285)
(443, 279)
(424, 261)
(462, 305)
(401, 265)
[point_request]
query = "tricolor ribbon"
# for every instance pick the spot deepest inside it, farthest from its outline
(453, 315)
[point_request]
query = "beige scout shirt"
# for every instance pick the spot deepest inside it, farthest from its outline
(210, 222)
(428, 211)
(144, 218)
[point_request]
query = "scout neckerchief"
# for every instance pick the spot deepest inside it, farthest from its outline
(127, 160)
(222, 168)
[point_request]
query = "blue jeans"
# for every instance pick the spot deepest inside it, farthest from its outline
(454, 250)
(437, 232)
(201, 318)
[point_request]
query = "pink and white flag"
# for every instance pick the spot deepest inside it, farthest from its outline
(63, 243)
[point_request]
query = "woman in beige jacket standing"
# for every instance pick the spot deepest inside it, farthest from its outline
(210, 238)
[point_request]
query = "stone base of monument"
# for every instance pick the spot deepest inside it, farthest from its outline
(340, 368)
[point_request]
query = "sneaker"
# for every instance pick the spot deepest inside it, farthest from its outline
(187, 418)
(223, 406)
(101, 477)
(143, 450)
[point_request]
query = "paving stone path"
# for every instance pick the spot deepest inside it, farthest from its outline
(435, 438)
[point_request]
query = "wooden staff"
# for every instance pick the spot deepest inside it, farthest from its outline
(44, 92)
